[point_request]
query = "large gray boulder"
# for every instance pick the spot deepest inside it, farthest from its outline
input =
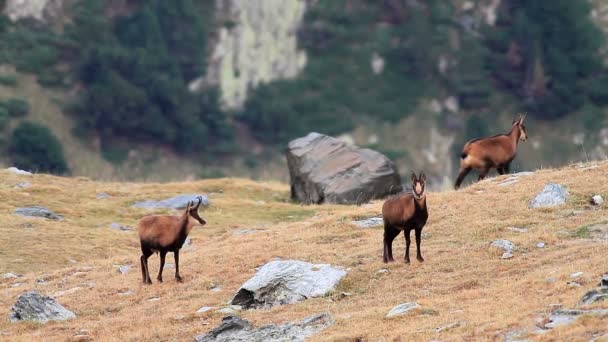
(37, 211)
(326, 170)
(32, 306)
(287, 282)
(564, 317)
(551, 196)
(177, 202)
(237, 329)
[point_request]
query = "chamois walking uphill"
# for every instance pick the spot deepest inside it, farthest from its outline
(405, 212)
(166, 233)
(493, 152)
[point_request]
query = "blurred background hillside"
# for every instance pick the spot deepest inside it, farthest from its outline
(183, 89)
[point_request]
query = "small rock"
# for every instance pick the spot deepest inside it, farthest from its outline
(124, 269)
(576, 274)
(246, 231)
(23, 185)
(10, 275)
(230, 310)
(369, 222)
(517, 229)
(505, 245)
(594, 296)
(540, 245)
(552, 195)
(402, 309)
(41, 281)
(604, 280)
(102, 195)
(154, 299)
(449, 326)
(122, 228)
(36, 211)
(125, 293)
(204, 309)
(551, 280)
(573, 284)
(507, 255)
(597, 200)
(216, 289)
(32, 306)
(19, 172)
(383, 271)
(564, 317)
(177, 202)
(13, 285)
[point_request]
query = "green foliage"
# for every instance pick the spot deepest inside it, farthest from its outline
(8, 80)
(15, 107)
(34, 147)
(4, 118)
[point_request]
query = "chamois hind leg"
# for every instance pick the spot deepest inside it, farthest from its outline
(506, 167)
(418, 251)
(144, 265)
(501, 170)
(390, 233)
(162, 265)
(406, 232)
(177, 276)
(483, 173)
(461, 174)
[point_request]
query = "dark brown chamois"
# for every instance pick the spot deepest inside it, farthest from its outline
(166, 233)
(493, 152)
(405, 212)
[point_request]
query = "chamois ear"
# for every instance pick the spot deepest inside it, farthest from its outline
(522, 118)
(422, 177)
(414, 179)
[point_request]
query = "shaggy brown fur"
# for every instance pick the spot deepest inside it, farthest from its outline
(405, 212)
(166, 233)
(493, 152)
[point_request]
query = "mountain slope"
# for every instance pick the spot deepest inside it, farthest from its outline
(462, 279)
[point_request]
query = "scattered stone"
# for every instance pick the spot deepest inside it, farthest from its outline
(23, 185)
(507, 255)
(564, 317)
(102, 195)
(369, 222)
(154, 299)
(26, 225)
(383, 271)
(236, 329)
(552, 195)
(574, 284)
(230, 310)
(204, 309)
(402, 309)
(595, 296)
(246, 231)
(286, 282)
(13, 285)
(122, 228)
(540, 245)
(323, 169)
(509, 181)
(10, 276)
(19, 172)
(551, 280)
(576, 274)
(125, 293)
(449, 326)
(36, 211)
(32, 306)
(518, 230)
(41, 281)
(597, 200)
(177, 202)
(604, 280)
(216, 289)
(124, 269)
(506, 245)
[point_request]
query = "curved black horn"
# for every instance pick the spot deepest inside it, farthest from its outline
(200, 200)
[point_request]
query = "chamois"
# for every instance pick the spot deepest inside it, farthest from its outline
(405, 212)
(166, 233)
(492, 152)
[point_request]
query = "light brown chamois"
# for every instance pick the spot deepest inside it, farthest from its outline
(405, 212)
(493, 152)
(166, 233)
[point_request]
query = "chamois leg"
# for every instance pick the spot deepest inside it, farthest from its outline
(390, 232)
(461, 174)
(144, 265)
(483, 173)
(162, 264)
(418, 238)
(506, 167)
(406, 232)
(501, 170)
(177, 276)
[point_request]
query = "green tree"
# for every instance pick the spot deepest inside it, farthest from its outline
(34, 147)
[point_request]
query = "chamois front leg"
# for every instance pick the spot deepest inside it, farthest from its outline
(162, 264)
(418, 238)
(177, 276)
(406, 232)
(144, 265)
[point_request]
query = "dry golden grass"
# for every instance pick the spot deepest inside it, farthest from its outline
(462, 279)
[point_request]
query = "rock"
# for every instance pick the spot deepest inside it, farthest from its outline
(604, 280)
(102, 195)
(32, 306)
(564, 317)
(237, 329)
(40, 10)
(369, 223)
(36, 211)
(177, 202)
(10, 276)
(13, 285)
(19, 172)
(118, 226)
(216, 289)
(23, 185)
(597, 200)
(506, 245)
(594, 296)
(383, 271)
(125, 293)
(540, 245)
(154, 299)
(124, 269)
(402, 309)
(552, 195)
(286, 282)
(576, 274)
(246, 231)
(551, 280)
(323, 169)
(518, 230)
(230, 310)
(507, 255)
(449, 326)
(204, 309)
(573, 284)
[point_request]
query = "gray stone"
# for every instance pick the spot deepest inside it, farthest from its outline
(23, 185)
(402, 309)
(246, 231)
(239, 330)
(124, 269)
(507, 255)
(540, 245)
(564, 317)
(19, 172)
(204, 309)
(573, 284)
(604, 280)
(323, 169)
(10, 276)
(449, 326)
(102, 195)
(552, 195)
(369, 223)
(154, 299)
(118, 226)
(595, 296)
(287, 282)
(177, 202)
(13, 285)
(576, 274)
(32, 306)
(126, 293)
(36, 211)
(216, 289)
(597, 200)
(230, 310)
(506, 245)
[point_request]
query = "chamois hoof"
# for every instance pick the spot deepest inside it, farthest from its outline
(160, 280)
(407, 261)
(179, 279)
(148, 282)
(421, 259)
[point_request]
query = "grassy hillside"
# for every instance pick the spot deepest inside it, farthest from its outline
(462, 279)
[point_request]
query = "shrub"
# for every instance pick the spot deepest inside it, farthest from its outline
(16, 107)
(34, 147)
(8, 80)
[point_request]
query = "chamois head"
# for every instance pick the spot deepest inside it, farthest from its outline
(192, 211)
(519, 123)
(418, 185)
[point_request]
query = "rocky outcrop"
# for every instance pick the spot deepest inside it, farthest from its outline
(326, 170)
(37, 211)
(552, 195)
(32, 306)
(177, 202)
(287, 282)
(237, 329)
(402, 309)
(40, 10)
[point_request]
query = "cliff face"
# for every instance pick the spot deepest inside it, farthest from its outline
(41, 10)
